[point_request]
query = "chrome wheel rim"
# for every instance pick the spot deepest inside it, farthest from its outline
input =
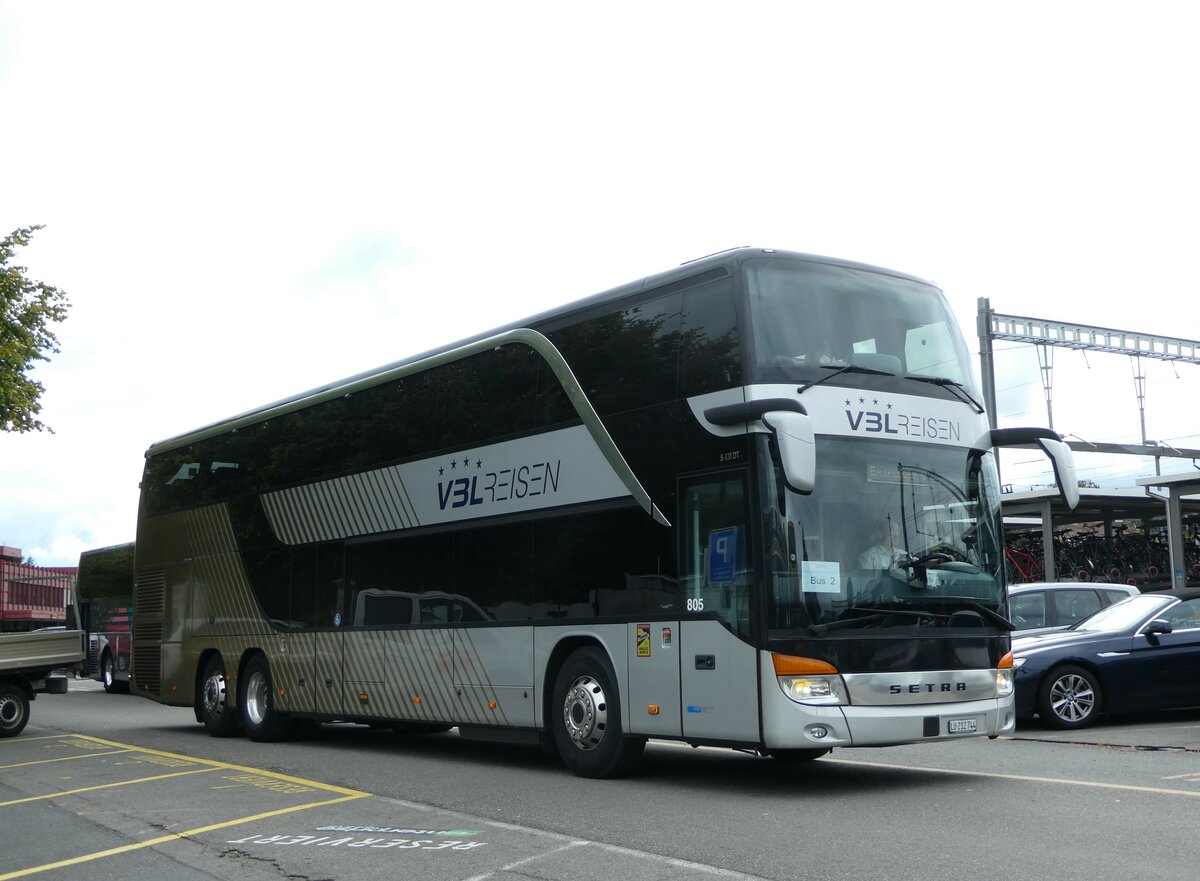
(257, 697)
(10, 712)
(214, 694)
(1072, 698)
(106, 673)
(585, 713)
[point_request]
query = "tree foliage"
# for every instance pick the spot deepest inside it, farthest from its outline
(27, 308)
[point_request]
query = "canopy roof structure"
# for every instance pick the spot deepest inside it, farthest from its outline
(1106, 506)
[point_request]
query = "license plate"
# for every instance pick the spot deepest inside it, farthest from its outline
(962, 726)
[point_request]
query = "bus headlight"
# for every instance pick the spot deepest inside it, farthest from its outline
(1004, 675)
(1004, 683)
(814, 689)
(809, 681)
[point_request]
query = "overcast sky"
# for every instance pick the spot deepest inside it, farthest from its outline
(247, 201)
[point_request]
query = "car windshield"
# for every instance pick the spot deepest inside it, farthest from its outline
(1125, 614)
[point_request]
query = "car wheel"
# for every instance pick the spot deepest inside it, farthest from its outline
(586, 717)
(14, 710)
(217, 711)
(1069, 697)
(256, 702)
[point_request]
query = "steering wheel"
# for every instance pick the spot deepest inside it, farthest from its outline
(926, 560)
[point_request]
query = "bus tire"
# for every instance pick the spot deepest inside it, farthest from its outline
(256, 703)
(217, 712)
(108, 672)
(586, 717)
(14, 709)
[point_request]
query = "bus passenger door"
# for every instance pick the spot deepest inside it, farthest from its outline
(719, 667)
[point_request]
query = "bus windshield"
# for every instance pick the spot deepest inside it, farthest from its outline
(893, 535)
(811, 318)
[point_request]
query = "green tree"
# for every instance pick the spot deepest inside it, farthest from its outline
(27, 308)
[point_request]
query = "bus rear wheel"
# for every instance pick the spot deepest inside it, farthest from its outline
(256, 702)
(14, 710)
(217, 712)
(586, 717)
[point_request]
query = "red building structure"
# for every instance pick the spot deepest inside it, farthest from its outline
(32, 596)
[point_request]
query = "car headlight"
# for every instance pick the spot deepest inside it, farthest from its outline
(1018, 663)
(809, 681)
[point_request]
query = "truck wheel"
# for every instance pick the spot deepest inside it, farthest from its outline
(256, 701)
(217, 712)
(14, 710)
(586, 717)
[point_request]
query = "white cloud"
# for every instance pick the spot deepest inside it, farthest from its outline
(246, 203)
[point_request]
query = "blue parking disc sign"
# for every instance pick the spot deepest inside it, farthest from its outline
(722, 555)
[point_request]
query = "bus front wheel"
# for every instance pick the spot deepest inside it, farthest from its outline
(14, 709)
(217, 712)
(108, 674)
(256, 701)
(586, 717)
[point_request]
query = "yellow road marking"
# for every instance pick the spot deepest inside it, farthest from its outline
(27, 739)
(126, 848)
(19, 801)
(212, 765)
(66, 758)
(328, 787)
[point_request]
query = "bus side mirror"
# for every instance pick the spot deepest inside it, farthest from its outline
(793, 434)
(1051, 444)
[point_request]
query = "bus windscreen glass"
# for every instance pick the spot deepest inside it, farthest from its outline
(890, 537)
(811, 318)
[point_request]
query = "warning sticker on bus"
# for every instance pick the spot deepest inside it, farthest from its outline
(643, 640)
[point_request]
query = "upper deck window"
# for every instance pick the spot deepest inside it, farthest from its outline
(809, 318)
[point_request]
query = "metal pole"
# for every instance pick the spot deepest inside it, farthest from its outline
(986, 367)
(1046, 360)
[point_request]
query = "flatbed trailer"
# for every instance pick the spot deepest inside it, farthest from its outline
(34, 663)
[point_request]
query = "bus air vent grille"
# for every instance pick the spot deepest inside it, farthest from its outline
(151, 588)
(147, 668)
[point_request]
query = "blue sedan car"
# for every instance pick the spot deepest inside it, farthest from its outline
(1142, 653)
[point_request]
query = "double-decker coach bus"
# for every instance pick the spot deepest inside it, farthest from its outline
(106, 608)
(748, 502)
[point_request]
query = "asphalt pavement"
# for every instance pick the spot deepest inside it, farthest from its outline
(1177, 730)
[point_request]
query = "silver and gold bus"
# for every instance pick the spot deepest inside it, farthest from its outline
(749, 502)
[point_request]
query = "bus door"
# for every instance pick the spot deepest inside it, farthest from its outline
(719, 675)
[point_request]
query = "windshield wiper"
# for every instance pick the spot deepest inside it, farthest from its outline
(844, 623)
(951, 385)
(872, 616)
(995, 617)
(848, 368)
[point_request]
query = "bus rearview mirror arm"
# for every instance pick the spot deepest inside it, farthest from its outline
(1048, 442)
(797, 447)
(789, 424)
